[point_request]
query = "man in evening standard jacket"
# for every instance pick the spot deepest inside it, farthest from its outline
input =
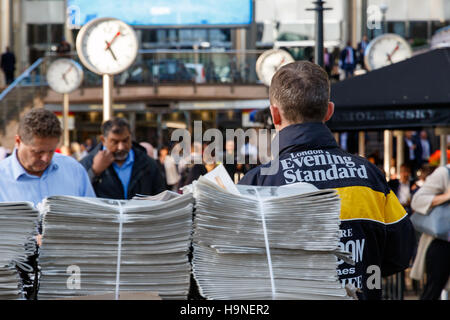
(374, 226)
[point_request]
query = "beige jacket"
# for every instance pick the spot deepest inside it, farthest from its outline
(435, 184)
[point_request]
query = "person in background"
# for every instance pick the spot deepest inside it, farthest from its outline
(186, 163)
(402, 187)
(64, 48)
(170, 169)
(199, 170)
(412, 151)
(348, 60)
(89, 144)
(229, 158)
(361, 52)
(425, 146)
(327, 61)
(149, 148)
(433, 255)
(422, 174)
(78, 151)
(8, 65)
(120, 168)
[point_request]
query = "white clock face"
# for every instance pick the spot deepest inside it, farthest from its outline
(107, 46)
(269, 62)
(385, 50)
(64, 75)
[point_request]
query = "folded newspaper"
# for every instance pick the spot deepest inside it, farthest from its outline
(266, 242)
(18, 222)
(97, 246)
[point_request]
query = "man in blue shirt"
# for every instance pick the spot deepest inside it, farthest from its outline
(118, 167)
(34, 172)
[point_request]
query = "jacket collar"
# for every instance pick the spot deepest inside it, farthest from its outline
(306, 136)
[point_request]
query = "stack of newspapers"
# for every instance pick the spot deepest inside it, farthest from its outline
(266, 242)
(98, 246)
(18, 224)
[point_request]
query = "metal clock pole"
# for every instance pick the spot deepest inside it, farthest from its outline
(318, 49)
(108, 84)
(66, 119)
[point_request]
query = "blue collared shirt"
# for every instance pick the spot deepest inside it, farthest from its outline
(63, 177)
(124, 171)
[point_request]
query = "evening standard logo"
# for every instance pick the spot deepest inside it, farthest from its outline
(302, 167)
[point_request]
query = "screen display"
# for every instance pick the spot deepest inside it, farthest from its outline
(167, 13)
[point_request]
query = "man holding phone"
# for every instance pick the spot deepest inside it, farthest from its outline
(119, 168)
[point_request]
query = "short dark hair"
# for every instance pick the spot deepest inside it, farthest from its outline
(302, 90)
(39, 123)
(116, 125)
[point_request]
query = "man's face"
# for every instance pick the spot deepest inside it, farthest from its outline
(35, 156)
(404, 174)
(118, 143)
(229, 146)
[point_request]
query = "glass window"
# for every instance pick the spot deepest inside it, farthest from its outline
(397, 27)
(56, 33)
(161, 35)
(37, 33)
(436, 25)
(418, 29)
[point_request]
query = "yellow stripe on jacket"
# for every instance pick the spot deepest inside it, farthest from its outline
(359, 202)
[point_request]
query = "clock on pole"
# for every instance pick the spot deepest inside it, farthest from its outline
(385, 50)
(64, 76)
(269, 62)
(107, 46)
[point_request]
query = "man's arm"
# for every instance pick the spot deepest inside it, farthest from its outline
(86, 189)
(400, 237)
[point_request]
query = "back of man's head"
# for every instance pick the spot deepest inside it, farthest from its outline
(39, 123)
(115, 125)
(302, 90)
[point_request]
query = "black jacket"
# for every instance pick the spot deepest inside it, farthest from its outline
(145, 176)
(375, 227)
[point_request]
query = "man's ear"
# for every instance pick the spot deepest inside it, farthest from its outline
(102, 139)
(330, 112)
(276, 116)
(17, 140)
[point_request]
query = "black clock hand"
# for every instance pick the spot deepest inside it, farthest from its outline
(64, 78)
(110, 50)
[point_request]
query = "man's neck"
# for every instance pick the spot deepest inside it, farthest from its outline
(33, 173)
(119, 163)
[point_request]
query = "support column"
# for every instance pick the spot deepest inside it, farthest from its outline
(387, 152)
(336, 137)
(362, 143)
(443, 132)
(108, 82)
(66, 119)
(132, 117)
(400, 157)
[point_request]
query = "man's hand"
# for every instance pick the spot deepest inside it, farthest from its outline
(39, 240)
(102, 160)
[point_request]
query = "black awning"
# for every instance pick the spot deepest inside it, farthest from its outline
(410, 94)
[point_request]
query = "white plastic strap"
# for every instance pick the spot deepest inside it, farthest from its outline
(119, 250)
(266, 240)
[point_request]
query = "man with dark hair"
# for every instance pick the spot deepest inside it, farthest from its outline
(374, 226)
(34, 171)
(118, 167)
